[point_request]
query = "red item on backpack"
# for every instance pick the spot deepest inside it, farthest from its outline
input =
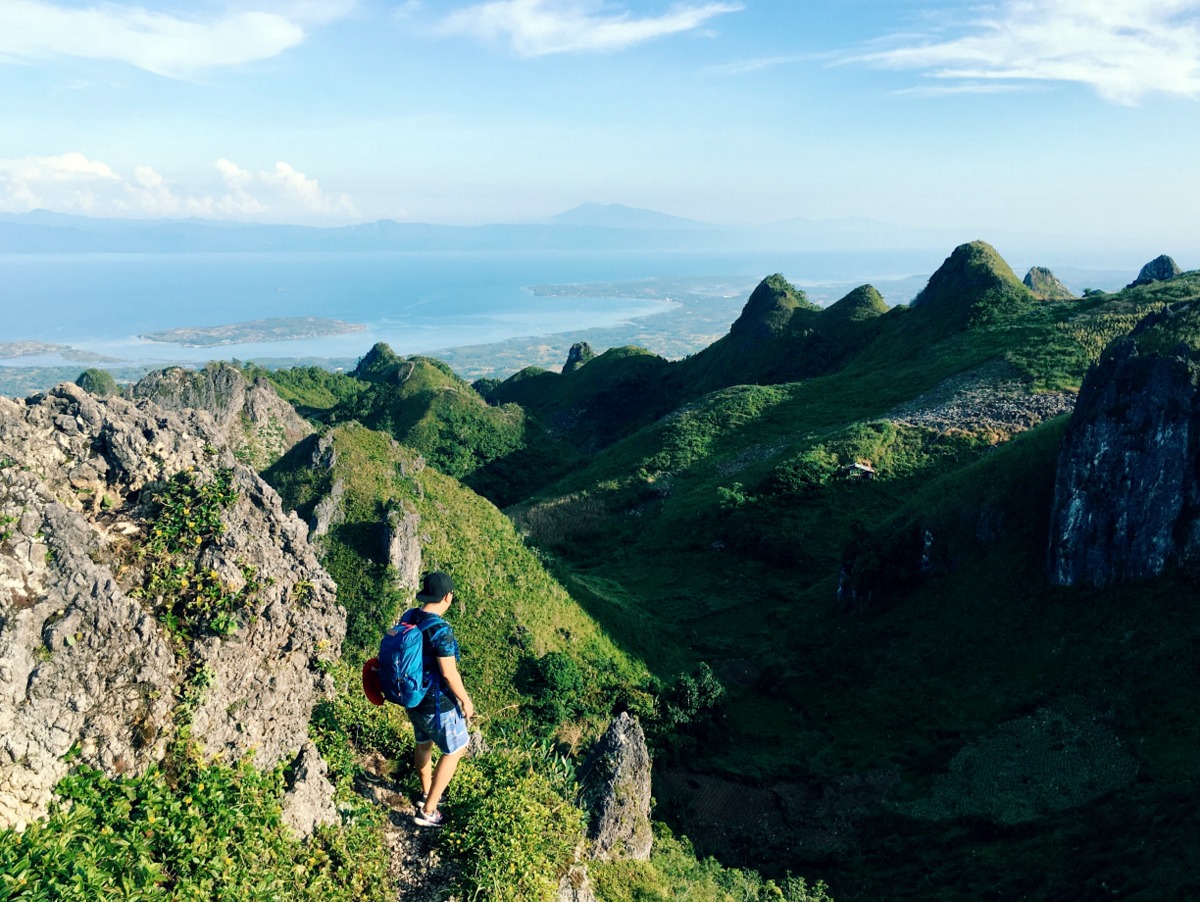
(372, 684)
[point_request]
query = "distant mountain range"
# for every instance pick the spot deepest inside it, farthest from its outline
(590, 226)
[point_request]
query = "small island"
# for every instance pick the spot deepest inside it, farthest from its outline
(284, 328)
(13, 349)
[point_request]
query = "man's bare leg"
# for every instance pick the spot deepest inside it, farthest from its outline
(422, 761)
(446, 766)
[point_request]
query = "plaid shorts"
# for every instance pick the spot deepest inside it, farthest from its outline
(448, 729)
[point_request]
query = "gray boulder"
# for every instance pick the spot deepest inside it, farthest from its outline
(1157, 270)
(308, 803)
(615, 782)
(576, 886)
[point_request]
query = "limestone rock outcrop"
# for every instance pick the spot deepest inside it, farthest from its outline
(403, 548)
(88, 667)
(255, 422)
(615, 781)
(581, 352)
(308, 803)
(1127, 491)
(1045, 285)
(1159, 269)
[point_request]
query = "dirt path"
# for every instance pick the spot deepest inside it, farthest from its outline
(412, 850)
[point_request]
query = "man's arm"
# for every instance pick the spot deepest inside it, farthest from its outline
(454, 683)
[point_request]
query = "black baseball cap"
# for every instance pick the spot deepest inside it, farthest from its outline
(437, 585)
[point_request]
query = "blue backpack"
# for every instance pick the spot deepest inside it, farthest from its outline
(405, 679)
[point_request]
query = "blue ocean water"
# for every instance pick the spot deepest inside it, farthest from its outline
(416, 302)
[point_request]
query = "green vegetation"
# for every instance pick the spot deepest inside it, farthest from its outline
(98, 382)
(674, 871)
(857, 673)
(513, 830)
(191, 832)
(191, 600)
(509, 610)
(974, 287)
(422, 404)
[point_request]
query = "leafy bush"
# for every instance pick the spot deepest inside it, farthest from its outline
(187, 513)
(513, 830)
(347, 725)
(196, 833)
(674, 872)
(98, 382)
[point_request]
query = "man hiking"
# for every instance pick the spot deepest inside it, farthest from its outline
(441, 715)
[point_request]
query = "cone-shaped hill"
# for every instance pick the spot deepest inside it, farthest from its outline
(973, 287)
(781, 336)
(424, 404)
(592, 405)
(863, 303)
(770, 308)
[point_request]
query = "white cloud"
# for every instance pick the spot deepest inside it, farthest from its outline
(542, 27)
(1124, 49)
(150, 194)
(177, 46)
(744, 67)
(67, 167)
(26, 182)
(72, 183)
(299, 188)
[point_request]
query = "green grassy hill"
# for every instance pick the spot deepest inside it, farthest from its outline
(732, 523)
(910, 711)
(423, 404)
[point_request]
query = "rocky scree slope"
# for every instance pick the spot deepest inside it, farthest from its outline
(88, 668)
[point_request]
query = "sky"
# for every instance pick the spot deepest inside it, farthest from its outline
(1073, 120)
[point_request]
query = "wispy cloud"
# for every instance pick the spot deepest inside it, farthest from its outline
(542, 27)
(1124, 49)
(173, 45)
(72, 183)
(745, 67)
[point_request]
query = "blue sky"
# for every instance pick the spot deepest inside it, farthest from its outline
(1076, 120)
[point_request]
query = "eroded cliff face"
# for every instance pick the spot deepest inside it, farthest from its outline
(254, 421)
(88, 668)
(1127, 492)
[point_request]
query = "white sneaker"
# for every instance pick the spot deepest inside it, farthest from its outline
(435, 819)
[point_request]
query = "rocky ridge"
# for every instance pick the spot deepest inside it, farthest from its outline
(87, 667)
(1045, 285)
(1160, 269)
(254, 421)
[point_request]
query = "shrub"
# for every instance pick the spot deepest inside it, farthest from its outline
(674, 872)
(98, 382)
(195, 833)
(513, 830)
(188, 514)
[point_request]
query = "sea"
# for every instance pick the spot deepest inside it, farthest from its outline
(417, 302)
